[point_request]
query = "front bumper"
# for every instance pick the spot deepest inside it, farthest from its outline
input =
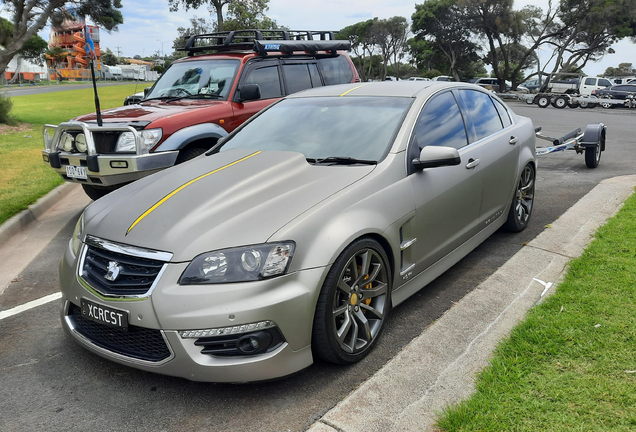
(112, 169)
(289, 301)
(105, 168)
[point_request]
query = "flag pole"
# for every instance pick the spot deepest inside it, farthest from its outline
(90, 51)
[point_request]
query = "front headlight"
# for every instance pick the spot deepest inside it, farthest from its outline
(240, 264)
(76, 240)
(149, 138)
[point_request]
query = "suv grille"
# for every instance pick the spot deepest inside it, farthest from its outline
(137, 342)
(105, 142)
(135, 275)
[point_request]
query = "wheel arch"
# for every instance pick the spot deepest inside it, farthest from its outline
(186, 137)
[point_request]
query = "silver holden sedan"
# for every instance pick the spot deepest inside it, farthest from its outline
(295, 236)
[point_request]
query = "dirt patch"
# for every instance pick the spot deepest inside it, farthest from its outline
(21, 127)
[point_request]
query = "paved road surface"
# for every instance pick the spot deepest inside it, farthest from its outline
(30, 90)
(48, 382)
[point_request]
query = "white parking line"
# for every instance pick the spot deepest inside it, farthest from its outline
(30, 305)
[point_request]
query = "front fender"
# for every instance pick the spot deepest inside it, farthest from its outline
(185, 136)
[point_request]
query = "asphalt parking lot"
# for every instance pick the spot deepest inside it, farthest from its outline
(50, 383)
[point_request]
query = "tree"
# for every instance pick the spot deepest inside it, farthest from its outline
(217, 5)
(108, 58)
(589, 28)
(362, 44)
(249, 14)
(198, 26)
(30, 16)
(443, 24)
(390, 36)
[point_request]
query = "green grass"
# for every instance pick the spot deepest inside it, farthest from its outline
(571, 365)
(24, 177)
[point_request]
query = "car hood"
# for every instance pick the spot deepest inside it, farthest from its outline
(149, 111)
(234, 198)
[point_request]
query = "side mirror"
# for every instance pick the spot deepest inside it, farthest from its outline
(146, 91)
(437, 156)
(249, 92)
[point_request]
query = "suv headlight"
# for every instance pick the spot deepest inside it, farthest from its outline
(240, 264)
(149, 138)
(78, 233)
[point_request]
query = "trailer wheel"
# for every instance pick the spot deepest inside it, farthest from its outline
(593, 156)
(560, 102)
(606, 105)
(543, 101)
(573, 104)
(529, 101)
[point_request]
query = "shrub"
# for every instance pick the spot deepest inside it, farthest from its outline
(5, 108)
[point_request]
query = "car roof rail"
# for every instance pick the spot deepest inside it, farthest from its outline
(264, 41)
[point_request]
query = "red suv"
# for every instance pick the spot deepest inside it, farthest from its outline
(226, 78)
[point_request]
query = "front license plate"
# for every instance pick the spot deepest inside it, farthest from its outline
(104, 315)
(78, 172)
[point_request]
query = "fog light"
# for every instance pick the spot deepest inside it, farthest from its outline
(118, 164)
(195, 334)
(45, 157)
(254, 343)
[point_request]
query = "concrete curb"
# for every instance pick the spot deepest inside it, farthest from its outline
(20, 221)
(437, 368)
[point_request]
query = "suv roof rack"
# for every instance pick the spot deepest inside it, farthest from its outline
(262, 41)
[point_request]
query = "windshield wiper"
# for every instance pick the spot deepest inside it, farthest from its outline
(338, 160)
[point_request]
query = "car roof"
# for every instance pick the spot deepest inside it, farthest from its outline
(384, 88)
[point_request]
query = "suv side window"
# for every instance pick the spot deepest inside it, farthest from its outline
(268, 79)
(483, 119)
(440, 124)
(590, 81)
(335, 70)
(604, 82)
(297, 77)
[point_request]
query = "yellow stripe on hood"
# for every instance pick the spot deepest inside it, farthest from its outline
(183, 186)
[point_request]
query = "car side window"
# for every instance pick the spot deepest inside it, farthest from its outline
(590, 81)
(335, 70)
(503, 113)
(296, 77)
(440, 123)
(604, 82)
(268, 80)
(482, 117)
(315, 75)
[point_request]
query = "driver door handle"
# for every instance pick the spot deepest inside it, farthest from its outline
(472, 163)
(513, 140)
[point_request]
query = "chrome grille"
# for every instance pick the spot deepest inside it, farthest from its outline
(132, 275)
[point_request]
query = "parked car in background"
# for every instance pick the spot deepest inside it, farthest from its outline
(622, 91)
(445, 78)
(624, 80)
(532, 85)
(134, 98)
(418, 79)
(294, 236)
(226, 78)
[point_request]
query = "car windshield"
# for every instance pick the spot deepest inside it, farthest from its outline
(354, 128)
(201, 79)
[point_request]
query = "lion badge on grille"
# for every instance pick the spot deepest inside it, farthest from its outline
(113, 271)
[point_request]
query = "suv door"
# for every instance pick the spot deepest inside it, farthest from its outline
(447, 199)
(267, 75)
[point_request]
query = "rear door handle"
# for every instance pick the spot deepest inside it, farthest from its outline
(472, 163)
(513, 140)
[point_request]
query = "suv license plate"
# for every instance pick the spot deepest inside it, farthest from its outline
(104, 315)
(78, 172)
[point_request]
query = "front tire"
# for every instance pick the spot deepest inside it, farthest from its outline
(354, 303)
(523, 201)
(96, 192)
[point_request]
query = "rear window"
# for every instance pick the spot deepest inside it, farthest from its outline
(335, 70)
